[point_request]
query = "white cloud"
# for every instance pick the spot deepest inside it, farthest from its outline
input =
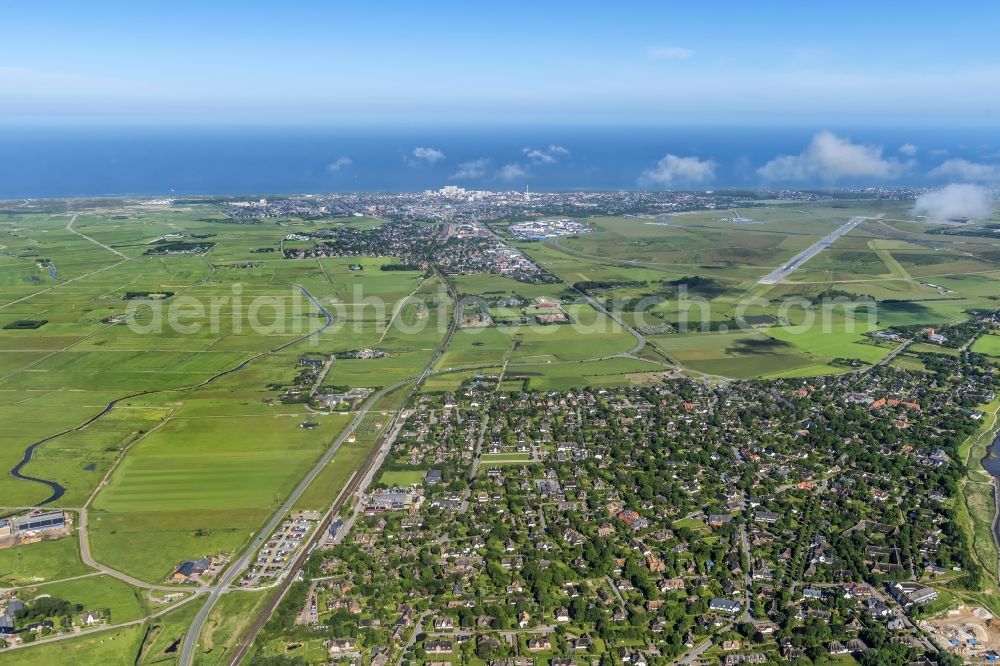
(830, 157)
(673, 169)
(538, 156)
(955, 201)
(472, 169)
(959, 169)
(669, 53)
(338, 164)
(511, 172)
(429, 155)
(548, 155)
(908, 149)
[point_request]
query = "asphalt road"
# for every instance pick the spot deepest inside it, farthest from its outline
(236, 568)
(779, 274)
(186, 657)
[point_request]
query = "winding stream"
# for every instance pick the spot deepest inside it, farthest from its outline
(58, 490)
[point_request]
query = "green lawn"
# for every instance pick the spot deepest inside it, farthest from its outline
(506, 458)
(733, 354)
(988, 344)
(165, 630)
(402, 477)
(41, 561)
(124, 602)
(115, 647)
(838, 340)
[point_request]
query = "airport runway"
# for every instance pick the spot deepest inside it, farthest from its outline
(779, 274)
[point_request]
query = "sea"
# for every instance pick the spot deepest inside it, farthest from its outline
(85, 161)
(991, 463)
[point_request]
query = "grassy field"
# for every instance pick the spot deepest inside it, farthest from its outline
(164, 633)
(840, 340)
(199, 486)
(987, 344)
(42, 561)
(202, 452)
(733, 354)
(596, 374)
(506, 458)
(226, 623)
(115, 647)
(401, 477)
(206, 462)
(124, 602)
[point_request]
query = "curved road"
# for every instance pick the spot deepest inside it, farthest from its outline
(89, 560)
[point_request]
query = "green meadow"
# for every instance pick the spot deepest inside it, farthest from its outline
(41, 561)
(115, 647)
(988, 344)
(168, 428)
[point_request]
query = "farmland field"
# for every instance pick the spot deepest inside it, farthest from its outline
(117, 647)
(162, 394)
(988, 344)
(41, 562)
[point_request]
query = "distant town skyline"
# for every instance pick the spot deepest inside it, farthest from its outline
(656, 63)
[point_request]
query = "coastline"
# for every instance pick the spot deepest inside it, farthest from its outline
(991, 454)
(981, 449)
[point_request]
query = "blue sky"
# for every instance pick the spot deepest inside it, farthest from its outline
(728, 63)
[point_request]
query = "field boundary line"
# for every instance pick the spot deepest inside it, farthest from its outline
(69, 227)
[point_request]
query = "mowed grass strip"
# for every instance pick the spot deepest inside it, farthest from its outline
(214, 464)
(200, 486)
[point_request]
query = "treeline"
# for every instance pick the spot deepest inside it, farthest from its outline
(588, 286)
(399, 267)
(47, 608)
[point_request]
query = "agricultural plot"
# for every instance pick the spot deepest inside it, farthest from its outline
(987, 344)
(477, 347)
(544, 344)
(123, 352)
(41, 562)
(733, 353)
(846, 340)
(117, 647)
(452, 380)
(208, 457)
(199, 485)
(562, 376)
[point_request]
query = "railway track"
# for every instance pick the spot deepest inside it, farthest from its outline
(345, 494)
(372, 462)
